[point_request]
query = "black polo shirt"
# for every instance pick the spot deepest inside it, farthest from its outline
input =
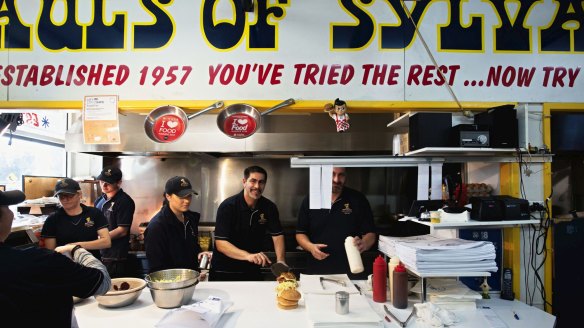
(171, 244)
(350, 215)
(37, 285)
(70, 229)
(245, 228)
(119, 212)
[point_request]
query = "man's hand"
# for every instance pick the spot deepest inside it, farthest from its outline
(259, 258)
(317, 253)
(358, 242)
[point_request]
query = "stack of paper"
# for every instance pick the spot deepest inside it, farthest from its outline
(429, 255)
(321, 312)
(451, 294)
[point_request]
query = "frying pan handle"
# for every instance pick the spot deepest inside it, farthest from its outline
(216, 105)
(285, 103)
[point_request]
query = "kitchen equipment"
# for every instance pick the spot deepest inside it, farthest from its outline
(172, 278)
(279, 268)
(242, 120)
(401, 323)
(338, 282)
(379, 280)
(173, 298)
(354, 256)
(168, 123)
(118, 298)
(342, 302)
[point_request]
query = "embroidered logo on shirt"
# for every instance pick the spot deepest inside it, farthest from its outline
(111, 206)
(88, 222)
(347, 210)
(262, 219)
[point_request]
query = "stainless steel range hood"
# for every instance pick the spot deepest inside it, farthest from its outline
(310, 134)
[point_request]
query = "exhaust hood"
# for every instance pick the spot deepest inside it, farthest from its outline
(285, 135)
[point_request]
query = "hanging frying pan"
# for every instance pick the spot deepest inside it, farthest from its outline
(242, 120)
(166, 124)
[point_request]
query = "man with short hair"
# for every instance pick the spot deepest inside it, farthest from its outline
(241, 224)
(118, 208)
(322, 232)
(37, 285)
(74, 223)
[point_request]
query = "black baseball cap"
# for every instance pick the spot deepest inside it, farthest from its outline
(11, 197)
(110, 174)
(67, 186)
(180, 186)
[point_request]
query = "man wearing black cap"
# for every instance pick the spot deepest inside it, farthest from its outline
(242, 222)
(172, 236)
(75, 223)
(118, 208)
(37, 285)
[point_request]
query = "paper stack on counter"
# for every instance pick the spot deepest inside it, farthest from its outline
(450, 294)
(202, 314)
(430, 255)
(321, 312)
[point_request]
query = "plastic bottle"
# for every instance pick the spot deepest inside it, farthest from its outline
(379, 280)
(393, 262)
(355, 261)
(400, 287)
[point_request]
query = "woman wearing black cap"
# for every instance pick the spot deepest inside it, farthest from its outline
(172, 236)
(75, 223)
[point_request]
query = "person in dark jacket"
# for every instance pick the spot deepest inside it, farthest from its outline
(37, 285)
(118, 208)
(172, 236)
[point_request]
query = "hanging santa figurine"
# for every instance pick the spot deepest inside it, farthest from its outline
(338, 112)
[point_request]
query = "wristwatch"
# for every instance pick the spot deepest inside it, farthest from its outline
(75, 249)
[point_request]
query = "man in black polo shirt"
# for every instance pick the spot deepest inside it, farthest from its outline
(37, 285)
(241, 225)
(322, 232)
(118, 208)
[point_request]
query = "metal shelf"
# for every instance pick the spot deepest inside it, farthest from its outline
(475, 224)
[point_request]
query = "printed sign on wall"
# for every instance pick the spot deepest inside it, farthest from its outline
(100, 120)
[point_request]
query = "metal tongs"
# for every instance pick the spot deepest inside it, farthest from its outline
(401, 323)
(338, 282)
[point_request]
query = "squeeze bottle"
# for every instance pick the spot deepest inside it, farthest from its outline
(355, 261)
(393, 262)
(379, 280)
(400, 287)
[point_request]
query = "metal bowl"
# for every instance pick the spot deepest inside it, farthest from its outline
(172, 278)
(173, 298)
(118, 298)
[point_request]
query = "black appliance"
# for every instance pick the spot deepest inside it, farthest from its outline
(499, 208)
(503, 126)
(429, 130)
(469, 135)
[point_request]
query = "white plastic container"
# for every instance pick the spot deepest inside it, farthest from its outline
(355, 261)
(393, 262)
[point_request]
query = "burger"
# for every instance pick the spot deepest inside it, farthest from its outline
(286, 294)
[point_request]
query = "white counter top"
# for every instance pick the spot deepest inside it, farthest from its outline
(255, 306)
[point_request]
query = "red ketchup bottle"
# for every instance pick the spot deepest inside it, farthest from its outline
(400, 287)
(379, 280)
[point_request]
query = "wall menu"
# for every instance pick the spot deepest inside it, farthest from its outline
(520, 51)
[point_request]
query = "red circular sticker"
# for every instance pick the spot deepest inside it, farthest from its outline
(168, 128)
(239, 126)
